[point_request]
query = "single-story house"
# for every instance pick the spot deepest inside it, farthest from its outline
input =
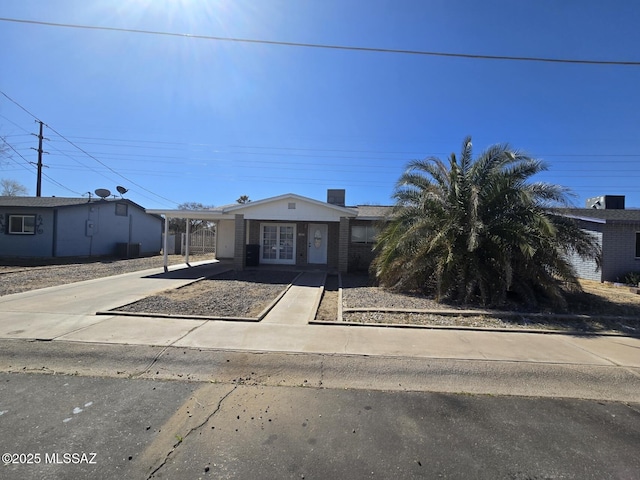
(618, 232)
(41, 227)
(292, 230)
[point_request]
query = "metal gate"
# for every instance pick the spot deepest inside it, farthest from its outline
(200, 241)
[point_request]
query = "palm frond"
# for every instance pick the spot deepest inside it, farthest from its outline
(474, 229)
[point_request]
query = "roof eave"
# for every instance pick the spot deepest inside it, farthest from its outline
(585, 219)
(349, 211)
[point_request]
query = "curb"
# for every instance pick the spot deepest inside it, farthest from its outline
(538, 331)
(486, 313)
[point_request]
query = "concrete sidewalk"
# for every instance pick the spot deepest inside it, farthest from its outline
(299, 305)
(67, 313)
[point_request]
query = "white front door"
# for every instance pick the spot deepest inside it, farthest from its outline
(318, 233)
(278, 243)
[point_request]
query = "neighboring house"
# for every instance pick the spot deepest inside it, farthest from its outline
(293, 230)
(63, 227)
(618, 232)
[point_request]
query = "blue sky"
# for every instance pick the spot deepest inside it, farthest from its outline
(196, 120)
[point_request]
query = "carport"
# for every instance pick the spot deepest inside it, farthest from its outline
(212, 215)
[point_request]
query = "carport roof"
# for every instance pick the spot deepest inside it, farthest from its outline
(204, 214)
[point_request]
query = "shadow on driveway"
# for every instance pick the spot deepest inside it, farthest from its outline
(193, 273)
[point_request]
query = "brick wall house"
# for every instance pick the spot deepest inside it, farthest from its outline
(618, 232)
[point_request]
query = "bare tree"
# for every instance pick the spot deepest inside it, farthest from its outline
(11, 188)
(179, 225)
(243, 199)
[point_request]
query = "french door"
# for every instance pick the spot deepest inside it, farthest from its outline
(278, 243)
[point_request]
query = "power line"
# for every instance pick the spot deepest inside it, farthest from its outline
(43, 174)
(287, 147)
(108, 167)
(85, 152)
(407, 154)
(19, 106)
(330, 47)
(225, 150)
(386, 163)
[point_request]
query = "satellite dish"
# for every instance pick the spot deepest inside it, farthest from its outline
(103, 193)
(121, 190)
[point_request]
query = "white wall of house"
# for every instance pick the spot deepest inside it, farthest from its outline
(226, 238)
(291, 210)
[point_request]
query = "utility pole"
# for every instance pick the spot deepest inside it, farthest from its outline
(40, 152)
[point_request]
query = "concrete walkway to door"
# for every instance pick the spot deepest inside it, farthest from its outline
(298, 306)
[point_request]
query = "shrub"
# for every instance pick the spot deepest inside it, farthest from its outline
(631, 278)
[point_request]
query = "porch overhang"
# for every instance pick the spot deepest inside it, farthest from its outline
(191, 214)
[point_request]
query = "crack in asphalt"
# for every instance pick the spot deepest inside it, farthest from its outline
(151, 364)
(155, 359)
(197, 427)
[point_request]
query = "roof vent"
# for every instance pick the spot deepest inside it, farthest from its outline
(609, 202)
(336, 196)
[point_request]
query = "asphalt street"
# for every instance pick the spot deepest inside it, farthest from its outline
(105, 396)
(145, 412)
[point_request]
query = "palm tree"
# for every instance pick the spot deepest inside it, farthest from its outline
(472, 231)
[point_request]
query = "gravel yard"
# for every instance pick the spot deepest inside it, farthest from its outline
(230, 294)
(599, 301)
(21, 276)
(246, 294)
(328, 308)
(357, 294)
(476, 321)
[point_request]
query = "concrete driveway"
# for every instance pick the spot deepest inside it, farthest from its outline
(67, 314)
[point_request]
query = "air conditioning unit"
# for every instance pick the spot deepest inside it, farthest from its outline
(609, 202)
(336, 197)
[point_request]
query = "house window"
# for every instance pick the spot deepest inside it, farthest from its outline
(363, 234)
(292, 205)
(121, 209)
(22, 224)
(637, 244)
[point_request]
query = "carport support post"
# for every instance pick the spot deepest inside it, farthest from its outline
(187, 241)
(166, 242)
(215, 254)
